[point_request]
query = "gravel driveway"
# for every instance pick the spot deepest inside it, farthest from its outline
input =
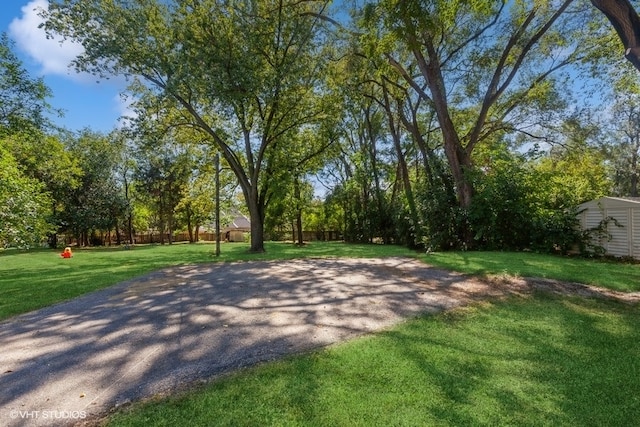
(78, 360)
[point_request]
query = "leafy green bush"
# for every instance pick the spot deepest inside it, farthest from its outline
(512, 209)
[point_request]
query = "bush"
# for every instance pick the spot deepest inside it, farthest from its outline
(511, 210)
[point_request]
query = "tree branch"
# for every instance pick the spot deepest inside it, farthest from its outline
(626, 22)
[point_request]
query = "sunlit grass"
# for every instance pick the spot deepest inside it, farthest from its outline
(522, 362)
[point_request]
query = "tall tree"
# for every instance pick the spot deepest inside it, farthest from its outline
(362, 172)
(625, 147)
(124, 174)
(163, 175)
(575, 169)
(97, 205)
(24, 124)
(46, 159)
(25, 207)
(23, 99)
(484, 67)
(246, 74)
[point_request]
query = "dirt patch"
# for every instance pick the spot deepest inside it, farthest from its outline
(522, 285)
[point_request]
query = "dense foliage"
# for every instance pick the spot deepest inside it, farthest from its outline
(431, 124)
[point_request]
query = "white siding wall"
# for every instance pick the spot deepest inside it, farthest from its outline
(636, 233)
(591, 219)
(625, 240)
(618, 245)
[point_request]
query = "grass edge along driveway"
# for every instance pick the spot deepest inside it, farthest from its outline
(561, 361)
(543, 360)
(36, 279)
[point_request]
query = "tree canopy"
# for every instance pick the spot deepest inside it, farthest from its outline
(432, 123)
(245, 74)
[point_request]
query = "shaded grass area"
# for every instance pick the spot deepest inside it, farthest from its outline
(613, 275)
(544, 360)
(38, 278)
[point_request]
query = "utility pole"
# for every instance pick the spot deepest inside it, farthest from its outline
(217, 165)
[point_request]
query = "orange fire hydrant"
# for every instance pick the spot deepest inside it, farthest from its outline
(66, 253)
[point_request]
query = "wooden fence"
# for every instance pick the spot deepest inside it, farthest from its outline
(148, 238)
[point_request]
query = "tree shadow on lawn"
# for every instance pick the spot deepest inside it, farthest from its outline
(155, 334)
(543, 360)
(547, 360)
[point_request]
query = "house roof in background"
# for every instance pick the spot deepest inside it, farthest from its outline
(240, 222)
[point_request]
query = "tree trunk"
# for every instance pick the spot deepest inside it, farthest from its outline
(129, 211)
(634, 174)
(408, 191)
(130, 227)
(162, 228)
(369, 142)
(256, 216)
(458, 158)
(257, 234)
(53, 240)
(299, 228)
(190, 228)
(118, 235)
(404, 170)
(293, 232)
(626, 22)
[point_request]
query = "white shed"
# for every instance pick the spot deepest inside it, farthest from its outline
(624, 232)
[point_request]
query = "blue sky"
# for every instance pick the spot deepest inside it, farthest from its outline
(85, 102)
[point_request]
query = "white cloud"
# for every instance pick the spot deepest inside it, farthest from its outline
(53, 56)
(124, 104)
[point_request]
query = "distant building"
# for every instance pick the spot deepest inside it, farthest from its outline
(238, 229)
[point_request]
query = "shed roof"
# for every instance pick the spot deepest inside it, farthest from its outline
(240, 222)
(612, 201)
(631, 199)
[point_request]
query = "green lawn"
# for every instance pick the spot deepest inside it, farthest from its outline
(35, 279)
(38, 278)
(542, 360)
(523, 362)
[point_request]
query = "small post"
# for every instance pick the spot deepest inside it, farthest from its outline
(217, 165)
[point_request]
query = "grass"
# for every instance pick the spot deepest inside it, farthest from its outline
(538, 361)
(526, 362)
(38, 278)
(613, 275)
